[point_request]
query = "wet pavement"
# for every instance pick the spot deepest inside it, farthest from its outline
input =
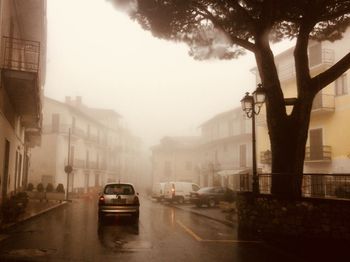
(163, 233)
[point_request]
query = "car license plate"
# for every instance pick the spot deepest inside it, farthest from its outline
(119, 201)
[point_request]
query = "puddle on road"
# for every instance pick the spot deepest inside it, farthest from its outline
(132, 246)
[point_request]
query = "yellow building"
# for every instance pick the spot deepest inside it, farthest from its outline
(328, 145)
(23, 58)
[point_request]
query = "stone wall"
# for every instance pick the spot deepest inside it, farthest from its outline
(266, 217)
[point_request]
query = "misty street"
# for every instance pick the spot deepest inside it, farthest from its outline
(164, 233)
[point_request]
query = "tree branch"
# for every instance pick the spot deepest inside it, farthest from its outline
(201, 10)
(323, 79)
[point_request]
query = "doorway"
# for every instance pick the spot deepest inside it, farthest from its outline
(6, 170)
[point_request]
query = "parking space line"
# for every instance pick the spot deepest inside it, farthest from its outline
(189, 231)
(230, 241)
(199, 239)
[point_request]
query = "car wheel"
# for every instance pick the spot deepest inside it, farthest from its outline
(198, 204)
(211, 203)
(181, 200)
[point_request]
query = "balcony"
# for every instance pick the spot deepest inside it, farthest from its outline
(78, 132)
(323, 103)
(78, 163)
(318, 154)
(318, 58)
(265, 157)
(20, 71)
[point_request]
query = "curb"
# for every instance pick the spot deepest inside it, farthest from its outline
(225, 222)
(7, 226)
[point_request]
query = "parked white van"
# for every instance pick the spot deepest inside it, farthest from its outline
(158, 191)
(179, 191)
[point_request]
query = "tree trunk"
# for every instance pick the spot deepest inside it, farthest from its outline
(288, 133)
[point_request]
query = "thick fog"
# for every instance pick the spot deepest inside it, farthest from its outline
(97, 52)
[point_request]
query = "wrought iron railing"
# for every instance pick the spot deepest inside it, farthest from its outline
(318, 153)
(333, 186)
(20, 54)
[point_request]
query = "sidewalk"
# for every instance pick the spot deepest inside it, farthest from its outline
(34, 208)
(215, 213)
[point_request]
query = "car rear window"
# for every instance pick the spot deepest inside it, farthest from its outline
(119, 189)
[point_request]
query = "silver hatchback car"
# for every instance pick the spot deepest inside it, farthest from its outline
(118, 198)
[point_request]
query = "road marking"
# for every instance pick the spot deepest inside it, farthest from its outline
(189, 231)
(230, 241)
(199, 239)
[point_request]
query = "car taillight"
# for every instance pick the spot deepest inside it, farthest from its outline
(173, 191)
(101, 200)
(136, 201)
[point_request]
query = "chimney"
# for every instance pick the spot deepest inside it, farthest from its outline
(68, 100)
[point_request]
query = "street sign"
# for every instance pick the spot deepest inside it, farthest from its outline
(68, 169)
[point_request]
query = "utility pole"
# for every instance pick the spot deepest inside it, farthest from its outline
(68, 168)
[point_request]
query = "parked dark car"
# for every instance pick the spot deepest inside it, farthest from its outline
(211, 196)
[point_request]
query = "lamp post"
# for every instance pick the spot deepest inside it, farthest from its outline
(251, 105)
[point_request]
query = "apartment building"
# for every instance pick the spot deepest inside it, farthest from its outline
(22, 58)
(97, 142)
(226, 150)
(176, 159)
(328, 145)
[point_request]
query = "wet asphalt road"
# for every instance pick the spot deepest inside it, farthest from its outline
(163, 233)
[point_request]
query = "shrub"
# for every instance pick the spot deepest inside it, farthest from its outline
(40, 187)
(60, 188)
(30, 187)
(49, 187)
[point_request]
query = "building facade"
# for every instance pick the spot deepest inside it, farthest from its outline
(176, 159)
(97, 144)
(328, 145)
(226, 150)
(23, 58)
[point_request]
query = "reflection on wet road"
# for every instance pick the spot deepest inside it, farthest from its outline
(163, 233)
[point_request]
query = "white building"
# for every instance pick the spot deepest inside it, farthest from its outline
(100, 147)
(22, 57)
(226, 150)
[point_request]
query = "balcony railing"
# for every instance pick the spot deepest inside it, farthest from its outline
(21, 55)
(323, 103)
(265, 157)
(324, 57)
(319, 153)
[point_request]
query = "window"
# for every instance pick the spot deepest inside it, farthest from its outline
(315, 55)
(195, 187)
(119, 189)
(341, 86)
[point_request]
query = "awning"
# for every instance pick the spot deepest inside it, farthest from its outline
(231, 172)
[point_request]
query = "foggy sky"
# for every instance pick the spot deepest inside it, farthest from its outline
(98, 53)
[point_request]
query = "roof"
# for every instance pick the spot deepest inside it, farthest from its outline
(221, 115)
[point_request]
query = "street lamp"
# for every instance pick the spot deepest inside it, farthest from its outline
(251, 105)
